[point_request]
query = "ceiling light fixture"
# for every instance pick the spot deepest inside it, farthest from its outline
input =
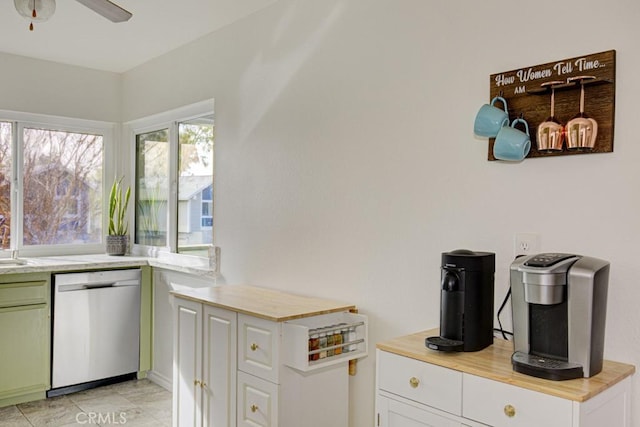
(35, 10)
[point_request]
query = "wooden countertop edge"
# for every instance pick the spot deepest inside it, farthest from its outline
(248, 299)
(498, 359)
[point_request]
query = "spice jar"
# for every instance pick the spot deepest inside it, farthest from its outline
(330, 342)
(314, 344)
(337, 340)
(323, 345)
(345, 338)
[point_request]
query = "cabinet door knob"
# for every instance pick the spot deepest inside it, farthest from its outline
(254, 408)
(414, 382)
(509, 411)
(196, 382)
(254, 346)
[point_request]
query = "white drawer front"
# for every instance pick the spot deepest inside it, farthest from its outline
(431, 385)
(257, 402)
(500, 404)
(394, 413)
(259, 344)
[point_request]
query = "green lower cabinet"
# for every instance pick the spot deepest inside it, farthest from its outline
(24, 338)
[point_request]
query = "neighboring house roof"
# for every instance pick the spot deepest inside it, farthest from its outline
(190, 186)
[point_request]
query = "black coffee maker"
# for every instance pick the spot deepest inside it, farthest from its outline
(466, 301)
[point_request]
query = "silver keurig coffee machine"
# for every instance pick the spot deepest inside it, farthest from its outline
(466, 301)
(559, 304)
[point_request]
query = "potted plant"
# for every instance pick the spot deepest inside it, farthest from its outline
(117, 238)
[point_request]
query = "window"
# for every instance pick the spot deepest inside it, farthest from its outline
(55, 168)
(174, 169)
(195, 184)
(6, 161)
(152, 188)
(62, 187)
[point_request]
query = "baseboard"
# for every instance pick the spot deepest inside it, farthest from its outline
(161, 380)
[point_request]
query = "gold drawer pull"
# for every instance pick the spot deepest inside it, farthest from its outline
(254, 347)
(509, 411)
(196, 382)
(414, 382)
(254, 408)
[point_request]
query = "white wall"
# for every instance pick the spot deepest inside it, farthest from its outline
(346, 162)
(45, 87)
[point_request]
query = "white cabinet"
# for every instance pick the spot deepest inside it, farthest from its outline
(394, 413)
(258, 371)
(219, 366)
(421, 382)
(165, 281)
(204, 382)
(257, 401)
(499, 404)
(411, 393)
(504, 405)
(259, 347)
(232, 368)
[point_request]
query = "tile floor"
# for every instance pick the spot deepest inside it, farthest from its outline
(130, 404)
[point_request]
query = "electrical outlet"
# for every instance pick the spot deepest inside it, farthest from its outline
(526, 244)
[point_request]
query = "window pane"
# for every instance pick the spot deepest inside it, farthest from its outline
(5, 184)
(152, 188)
(62, 187)
(195, 186)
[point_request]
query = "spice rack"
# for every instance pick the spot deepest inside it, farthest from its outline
(297, 337)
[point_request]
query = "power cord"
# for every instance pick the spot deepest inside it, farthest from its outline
(501, 329)
(504, 302)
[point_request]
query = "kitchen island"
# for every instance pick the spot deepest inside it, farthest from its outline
(242, 357)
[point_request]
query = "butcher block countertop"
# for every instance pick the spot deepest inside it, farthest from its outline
(494, 362)
(268, 304)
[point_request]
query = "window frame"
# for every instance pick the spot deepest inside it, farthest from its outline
(21, 120)
(166, 120)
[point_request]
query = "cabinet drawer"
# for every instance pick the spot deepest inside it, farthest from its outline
(500, 404)
(431, 385)
(258, 347)
(23, 293)
(257, 402)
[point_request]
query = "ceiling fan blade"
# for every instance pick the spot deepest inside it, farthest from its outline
(109, 10)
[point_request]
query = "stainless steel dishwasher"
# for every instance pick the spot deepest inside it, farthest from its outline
(96, 329)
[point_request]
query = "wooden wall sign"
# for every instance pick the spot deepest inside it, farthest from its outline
(528, 95)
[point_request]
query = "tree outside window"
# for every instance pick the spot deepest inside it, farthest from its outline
(61, 186)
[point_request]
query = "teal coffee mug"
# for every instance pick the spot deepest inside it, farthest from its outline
(490, 119)
(512, 144)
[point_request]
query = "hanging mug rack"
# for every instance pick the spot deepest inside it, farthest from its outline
(579, 91)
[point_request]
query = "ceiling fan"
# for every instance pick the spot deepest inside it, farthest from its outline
(41, 10)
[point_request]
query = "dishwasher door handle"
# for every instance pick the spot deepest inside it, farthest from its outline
(96, 285)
